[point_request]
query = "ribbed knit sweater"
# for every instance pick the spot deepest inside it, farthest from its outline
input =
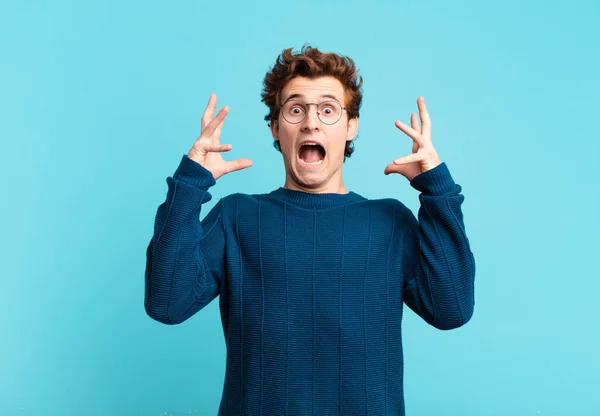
(311, 287)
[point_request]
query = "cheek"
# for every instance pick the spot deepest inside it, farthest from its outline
(340, 141)
(286, 139)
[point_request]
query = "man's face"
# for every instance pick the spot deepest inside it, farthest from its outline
(314, 168)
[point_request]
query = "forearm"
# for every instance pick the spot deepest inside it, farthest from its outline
(178, 279)
(440, 286)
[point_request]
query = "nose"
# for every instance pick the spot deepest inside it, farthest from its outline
(311, 121)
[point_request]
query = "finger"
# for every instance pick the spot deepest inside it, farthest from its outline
(209, 112)
(415, 157)
(425, 120)
(203, 148)
(410, 132)
(215, 123)
(216, 136)
(414, 122)
(218, 148)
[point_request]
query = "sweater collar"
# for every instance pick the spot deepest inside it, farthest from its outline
(315, 199)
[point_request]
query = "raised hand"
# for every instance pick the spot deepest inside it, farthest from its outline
(207, 148)
(423, 157)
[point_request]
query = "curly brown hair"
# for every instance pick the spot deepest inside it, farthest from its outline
(312, 63)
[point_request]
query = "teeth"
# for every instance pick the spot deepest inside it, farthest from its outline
(312, 163)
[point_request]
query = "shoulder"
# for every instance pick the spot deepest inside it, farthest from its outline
(236, 202)
(390, 204)
(393, 211)
(242, 198)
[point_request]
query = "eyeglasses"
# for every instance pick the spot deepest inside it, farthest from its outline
(329, 112)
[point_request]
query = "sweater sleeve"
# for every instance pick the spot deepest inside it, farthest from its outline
(184, 259)
(439, 266)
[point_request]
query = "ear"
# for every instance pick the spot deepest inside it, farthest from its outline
(352, 128)
(275, 129)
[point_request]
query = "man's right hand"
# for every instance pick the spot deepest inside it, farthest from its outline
(207, 149)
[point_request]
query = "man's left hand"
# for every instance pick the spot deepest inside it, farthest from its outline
(423, 157)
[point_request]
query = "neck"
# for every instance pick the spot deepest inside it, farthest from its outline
(329, 187)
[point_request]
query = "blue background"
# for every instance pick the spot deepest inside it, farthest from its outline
(100, 100)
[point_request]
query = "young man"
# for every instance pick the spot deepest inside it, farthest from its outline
(312, 278)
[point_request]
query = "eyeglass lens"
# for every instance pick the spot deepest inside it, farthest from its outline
(329, 112)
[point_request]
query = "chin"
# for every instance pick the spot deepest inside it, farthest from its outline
(310, 178)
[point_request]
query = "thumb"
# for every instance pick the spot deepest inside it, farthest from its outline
(408, 170)
(238, 164)
(393, 168)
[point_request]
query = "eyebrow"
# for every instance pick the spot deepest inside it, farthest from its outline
(303, 96)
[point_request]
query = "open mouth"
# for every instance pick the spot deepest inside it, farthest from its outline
(311, 154)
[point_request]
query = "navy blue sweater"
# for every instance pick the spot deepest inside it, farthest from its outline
(311, 287)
